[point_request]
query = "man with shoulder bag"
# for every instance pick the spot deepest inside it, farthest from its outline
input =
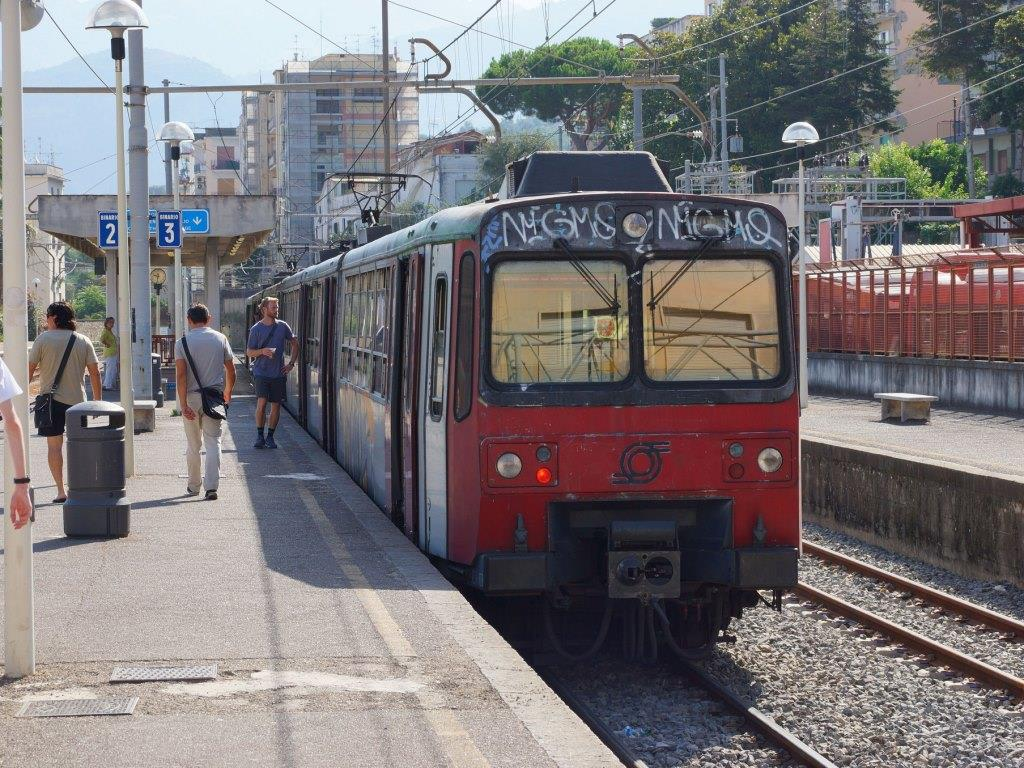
(61, 356)
(205, 375)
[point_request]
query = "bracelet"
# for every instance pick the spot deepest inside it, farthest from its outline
(22, 480)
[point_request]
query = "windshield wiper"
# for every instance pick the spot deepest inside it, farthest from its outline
(688, 263)
(612, 301)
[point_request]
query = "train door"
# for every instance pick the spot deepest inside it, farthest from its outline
(434, 401)
(412, 321)
(313, 372)
(329, 349)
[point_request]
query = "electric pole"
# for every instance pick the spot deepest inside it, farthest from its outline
(386, 65)
(168, 189)
(965, 98)
(724, 132)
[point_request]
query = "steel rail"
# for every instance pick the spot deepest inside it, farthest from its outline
(595, 723)
(967, 609)
(762, 723)
(908, 637)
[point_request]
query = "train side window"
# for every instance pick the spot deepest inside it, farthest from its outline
(464, 337)
(439, 328)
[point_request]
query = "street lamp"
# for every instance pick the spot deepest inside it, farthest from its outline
(19, 630)
(117, 17)
(801, 134)
(157, 277)
(175, 133)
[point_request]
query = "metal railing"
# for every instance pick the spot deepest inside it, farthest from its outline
(966, 305)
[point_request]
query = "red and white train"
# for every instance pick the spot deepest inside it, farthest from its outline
(583, 389)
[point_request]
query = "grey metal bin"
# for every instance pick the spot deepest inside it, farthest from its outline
(158, 382)
(97, 502)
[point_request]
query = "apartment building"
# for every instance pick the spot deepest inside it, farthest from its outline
(924, 103)
(215, 167)
(314, 133)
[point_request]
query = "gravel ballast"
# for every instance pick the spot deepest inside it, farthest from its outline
(857, 697)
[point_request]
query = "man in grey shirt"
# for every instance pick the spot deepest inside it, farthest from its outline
(215, 365)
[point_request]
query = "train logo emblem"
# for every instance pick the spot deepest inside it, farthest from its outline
(640, 463)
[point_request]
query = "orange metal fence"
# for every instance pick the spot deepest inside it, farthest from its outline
(962, 307)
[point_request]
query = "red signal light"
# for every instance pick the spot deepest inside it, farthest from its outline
(543, 475)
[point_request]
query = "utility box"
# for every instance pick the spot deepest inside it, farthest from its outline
(97, 502)
(158, 382)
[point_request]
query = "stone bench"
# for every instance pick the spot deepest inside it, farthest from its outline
(145, 416)
(906, 406)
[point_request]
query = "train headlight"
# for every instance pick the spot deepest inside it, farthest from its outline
(769, 460)
(635, 225)
(509, 465)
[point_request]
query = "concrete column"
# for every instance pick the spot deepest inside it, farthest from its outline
(138, 184)
(212, 280)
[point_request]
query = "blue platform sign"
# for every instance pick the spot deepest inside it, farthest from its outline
(168, 229)
(195, 221)
(108, 230)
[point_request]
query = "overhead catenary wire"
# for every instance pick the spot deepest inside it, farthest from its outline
(319, 34)
(77, 52)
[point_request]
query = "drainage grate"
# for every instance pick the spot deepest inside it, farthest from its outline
(162, 674)
(78, 707)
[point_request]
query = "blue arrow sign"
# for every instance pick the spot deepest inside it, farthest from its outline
(195, 221)
(168, 229)
(108, 230)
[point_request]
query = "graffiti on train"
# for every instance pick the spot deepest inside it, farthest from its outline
(600, 223)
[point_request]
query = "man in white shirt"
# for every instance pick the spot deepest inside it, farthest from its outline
(215, 366)
(19, 506)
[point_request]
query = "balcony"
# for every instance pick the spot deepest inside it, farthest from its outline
(226, 165)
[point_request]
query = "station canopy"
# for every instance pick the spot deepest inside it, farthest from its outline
(228, 226)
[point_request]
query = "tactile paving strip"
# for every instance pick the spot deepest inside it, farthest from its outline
(163, 674)
(78, 707)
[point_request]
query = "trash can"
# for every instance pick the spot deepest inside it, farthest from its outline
(97, 502)
(158, 382)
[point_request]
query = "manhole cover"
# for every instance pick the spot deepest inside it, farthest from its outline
(162, 674)
(78, 707)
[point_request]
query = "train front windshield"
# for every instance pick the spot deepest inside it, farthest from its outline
(568, 321)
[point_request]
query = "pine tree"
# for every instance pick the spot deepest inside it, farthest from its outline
(950, 47)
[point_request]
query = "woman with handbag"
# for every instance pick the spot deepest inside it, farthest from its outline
(61, 355)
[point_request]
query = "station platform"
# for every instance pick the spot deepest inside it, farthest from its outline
(336, 641)
(986, 442)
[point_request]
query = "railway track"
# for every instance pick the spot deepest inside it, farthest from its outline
(757, 720)
(908, 637)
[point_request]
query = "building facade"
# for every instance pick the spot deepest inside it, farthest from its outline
(46, 263)
(314, 133)
(215, 165)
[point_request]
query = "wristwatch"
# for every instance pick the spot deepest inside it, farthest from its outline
(22, 480)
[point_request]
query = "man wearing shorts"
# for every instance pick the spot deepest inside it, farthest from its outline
(47, 352)
(265, 346)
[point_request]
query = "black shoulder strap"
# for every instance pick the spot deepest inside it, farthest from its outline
(191, 362)
(269, 336)
(63, 364)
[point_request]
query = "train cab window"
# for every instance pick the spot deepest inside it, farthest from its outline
(558, 322)
(710, 320)
(439, 329)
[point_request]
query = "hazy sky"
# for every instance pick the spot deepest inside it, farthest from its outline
(247, 37)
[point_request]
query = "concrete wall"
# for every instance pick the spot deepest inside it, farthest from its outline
(969, 384)
(966, 520)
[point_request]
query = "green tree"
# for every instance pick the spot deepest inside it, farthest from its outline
(1006, 185)
(497, 154)
(90, 303)
(587, 113)
(961, 56)
(1002, 100)
(661, 21)
(769, 62)
(897, 161)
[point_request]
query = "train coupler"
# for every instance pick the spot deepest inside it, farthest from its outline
(643, 559)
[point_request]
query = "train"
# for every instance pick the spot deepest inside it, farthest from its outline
(959, 305)
(581, 390)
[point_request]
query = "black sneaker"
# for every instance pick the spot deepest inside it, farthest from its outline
(260, 442)
(190, 492)
(270, 442)
(211, 495)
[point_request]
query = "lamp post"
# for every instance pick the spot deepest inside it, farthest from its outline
(117, 17)
(175, 133)
(157, 277)
(801, 134)
(19, 630)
